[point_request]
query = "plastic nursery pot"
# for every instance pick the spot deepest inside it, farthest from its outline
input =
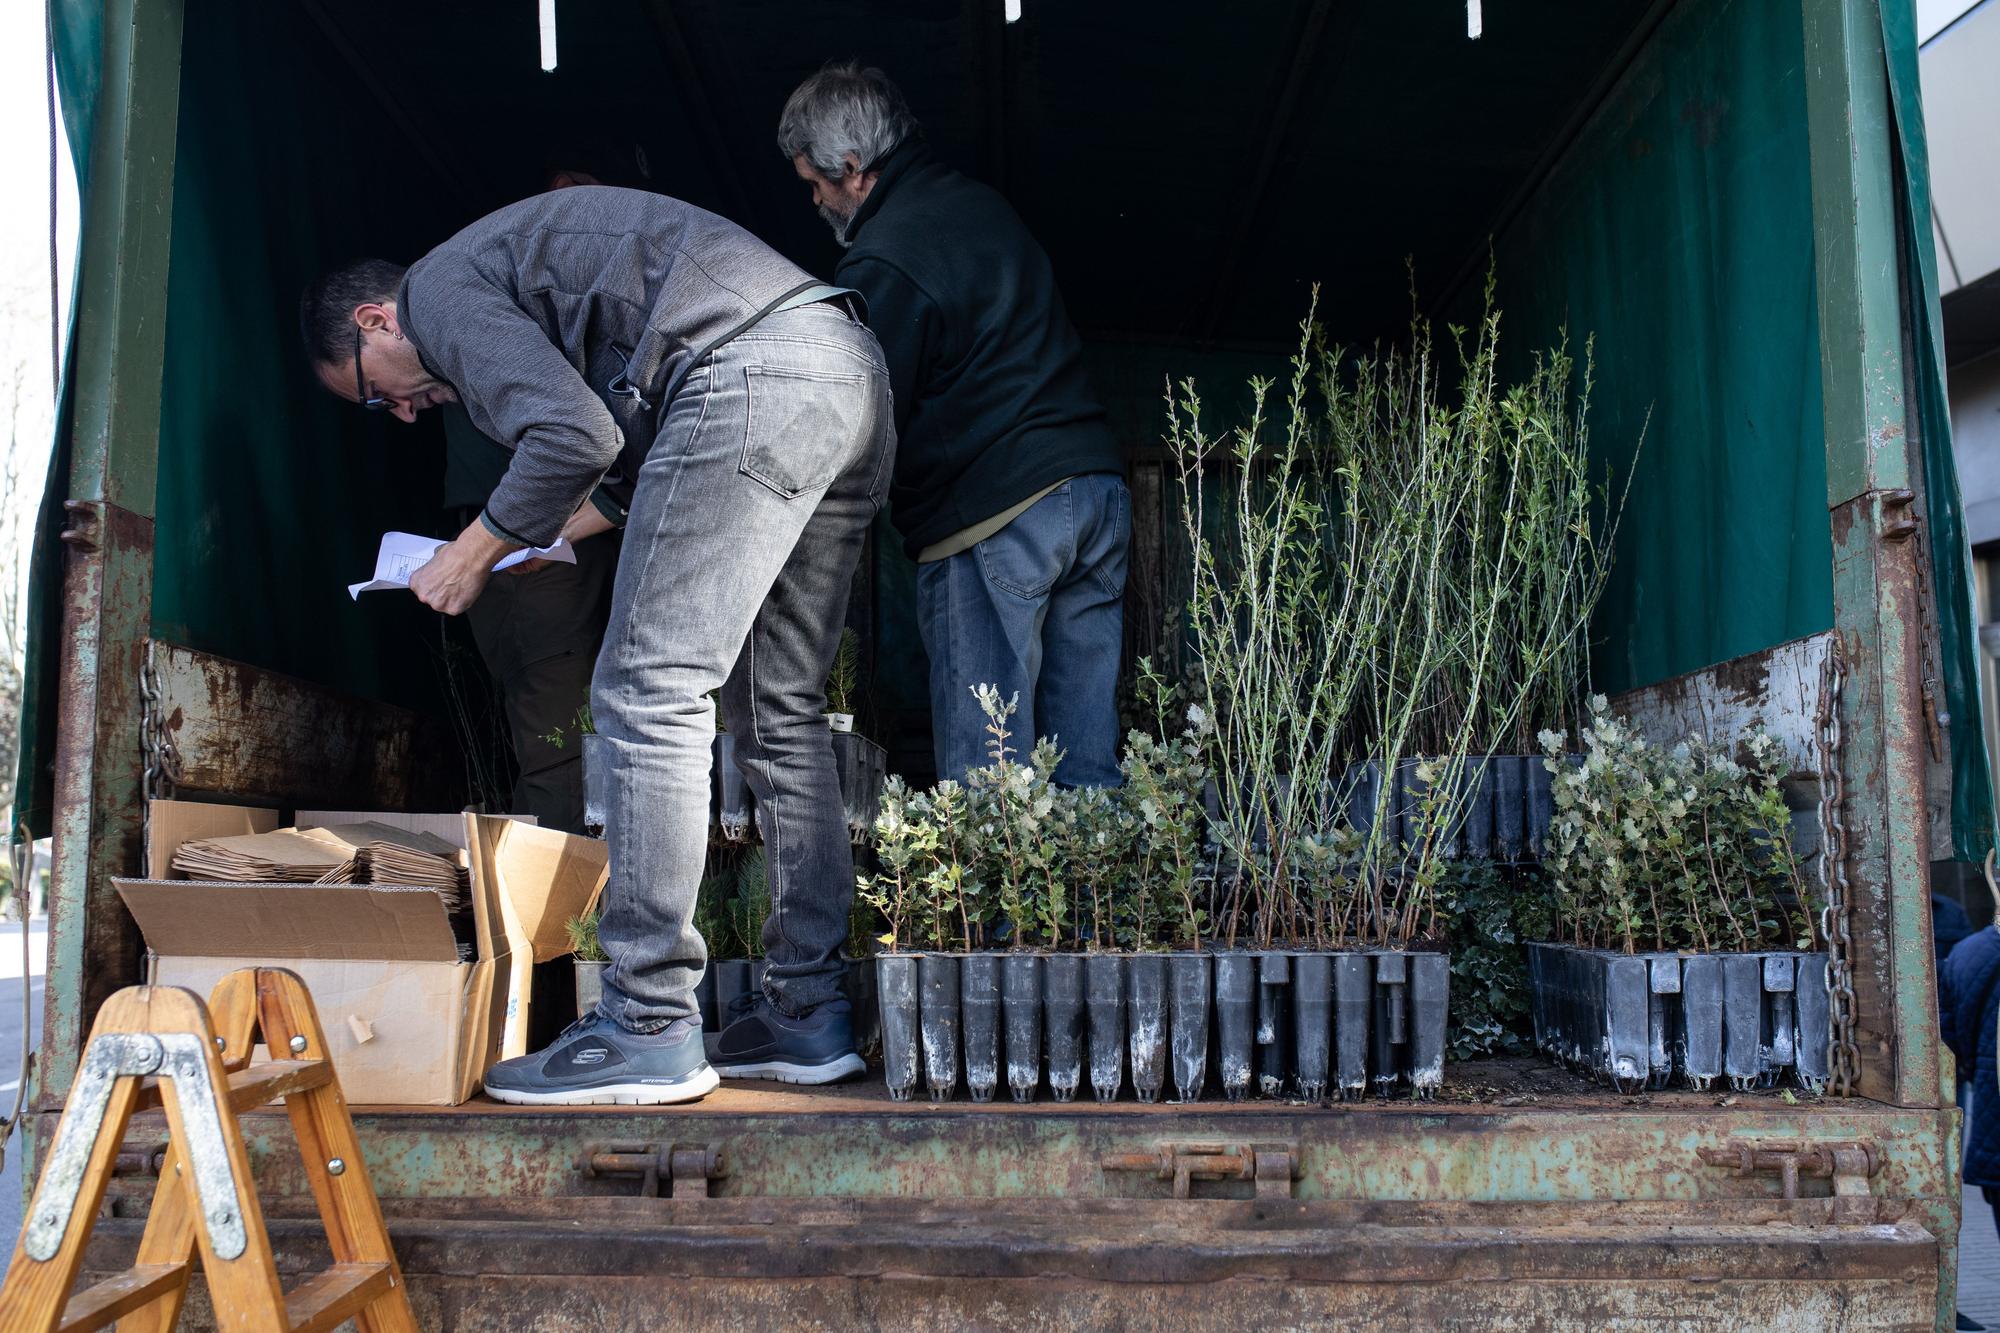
(1391, 1028)
(938, 1019)
(1742, 1018)
(1541, 802)
(589, 986)
(862, 768)
(1781, 1026)
(1274, 1023)
(1626, 1021)
(1701, 1020)
(1021, 1016)
(1062, 1022)
(1312, 1022)
(1506, 783)
(1475, 837)
(1430, 1008)
(1146, 1022)
(1104, 1009)
(1364, 788)
(896, 987)
(857, 983)
(1815, 1024)
(1462, 808)
(1188, 994)
(1353, 988)
(979, 1019)
(1405, 803)
(1235, 1020)
(732, 793)
(704, 999)
(1663, 987)
(732, 983)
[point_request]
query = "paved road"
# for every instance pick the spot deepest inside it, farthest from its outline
(1979, 1262)
(12, 1200)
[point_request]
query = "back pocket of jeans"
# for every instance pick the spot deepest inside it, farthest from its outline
(801, 427)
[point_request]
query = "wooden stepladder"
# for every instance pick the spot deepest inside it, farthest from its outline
(153, 1046)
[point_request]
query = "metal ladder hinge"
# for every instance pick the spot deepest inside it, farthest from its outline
(685, 1168)
(1849, 1165)
(1272, 1166)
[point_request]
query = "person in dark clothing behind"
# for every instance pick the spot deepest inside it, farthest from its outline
(1969, 980)
(1009, 489)
(611, 333)
(537, 632)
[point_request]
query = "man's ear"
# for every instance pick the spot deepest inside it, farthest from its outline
(372, 315)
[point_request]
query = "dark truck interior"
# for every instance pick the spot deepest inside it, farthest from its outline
(1193, 171)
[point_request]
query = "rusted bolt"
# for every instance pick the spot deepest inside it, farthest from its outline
(81, 535)
(1899, 523)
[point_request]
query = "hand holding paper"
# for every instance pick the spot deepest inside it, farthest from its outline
(403, 554)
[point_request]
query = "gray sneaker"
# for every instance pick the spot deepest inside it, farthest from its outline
(816, 1047)
(595, 1062)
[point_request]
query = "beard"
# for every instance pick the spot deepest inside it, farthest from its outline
(838, 223)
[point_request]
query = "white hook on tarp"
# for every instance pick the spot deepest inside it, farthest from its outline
(548, 23)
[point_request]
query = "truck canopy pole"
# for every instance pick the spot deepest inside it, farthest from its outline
(108, 571)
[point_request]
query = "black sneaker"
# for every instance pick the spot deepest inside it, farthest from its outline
(817, 1047)
(595, 1062)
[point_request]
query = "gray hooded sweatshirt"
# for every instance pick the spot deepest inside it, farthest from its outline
(563, 322)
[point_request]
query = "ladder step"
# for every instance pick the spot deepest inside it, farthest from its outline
(114, 1298)
(259, 1085)
(325, 1299)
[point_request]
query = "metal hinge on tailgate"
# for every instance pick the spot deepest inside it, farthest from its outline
(1273, 1166)
(685, 1168)
(1847, 1165)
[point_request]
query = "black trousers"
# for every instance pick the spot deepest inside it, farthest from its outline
(538, 635)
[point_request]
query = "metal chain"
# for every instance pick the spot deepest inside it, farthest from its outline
(1836, 921)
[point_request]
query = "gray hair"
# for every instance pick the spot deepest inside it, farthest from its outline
(840, 110)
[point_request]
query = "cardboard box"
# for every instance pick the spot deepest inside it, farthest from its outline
(406, 1021)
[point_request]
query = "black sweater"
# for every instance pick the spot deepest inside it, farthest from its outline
(992, 404)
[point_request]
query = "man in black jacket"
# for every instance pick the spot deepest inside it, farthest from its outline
(1009, 489)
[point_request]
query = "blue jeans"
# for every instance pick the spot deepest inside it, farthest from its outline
(746, 525)
(1038, 609)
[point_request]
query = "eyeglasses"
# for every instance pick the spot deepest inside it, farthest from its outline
(361, 394)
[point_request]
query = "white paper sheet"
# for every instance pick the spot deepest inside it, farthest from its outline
(403, 554)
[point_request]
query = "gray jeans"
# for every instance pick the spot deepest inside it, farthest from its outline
(746, 526)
